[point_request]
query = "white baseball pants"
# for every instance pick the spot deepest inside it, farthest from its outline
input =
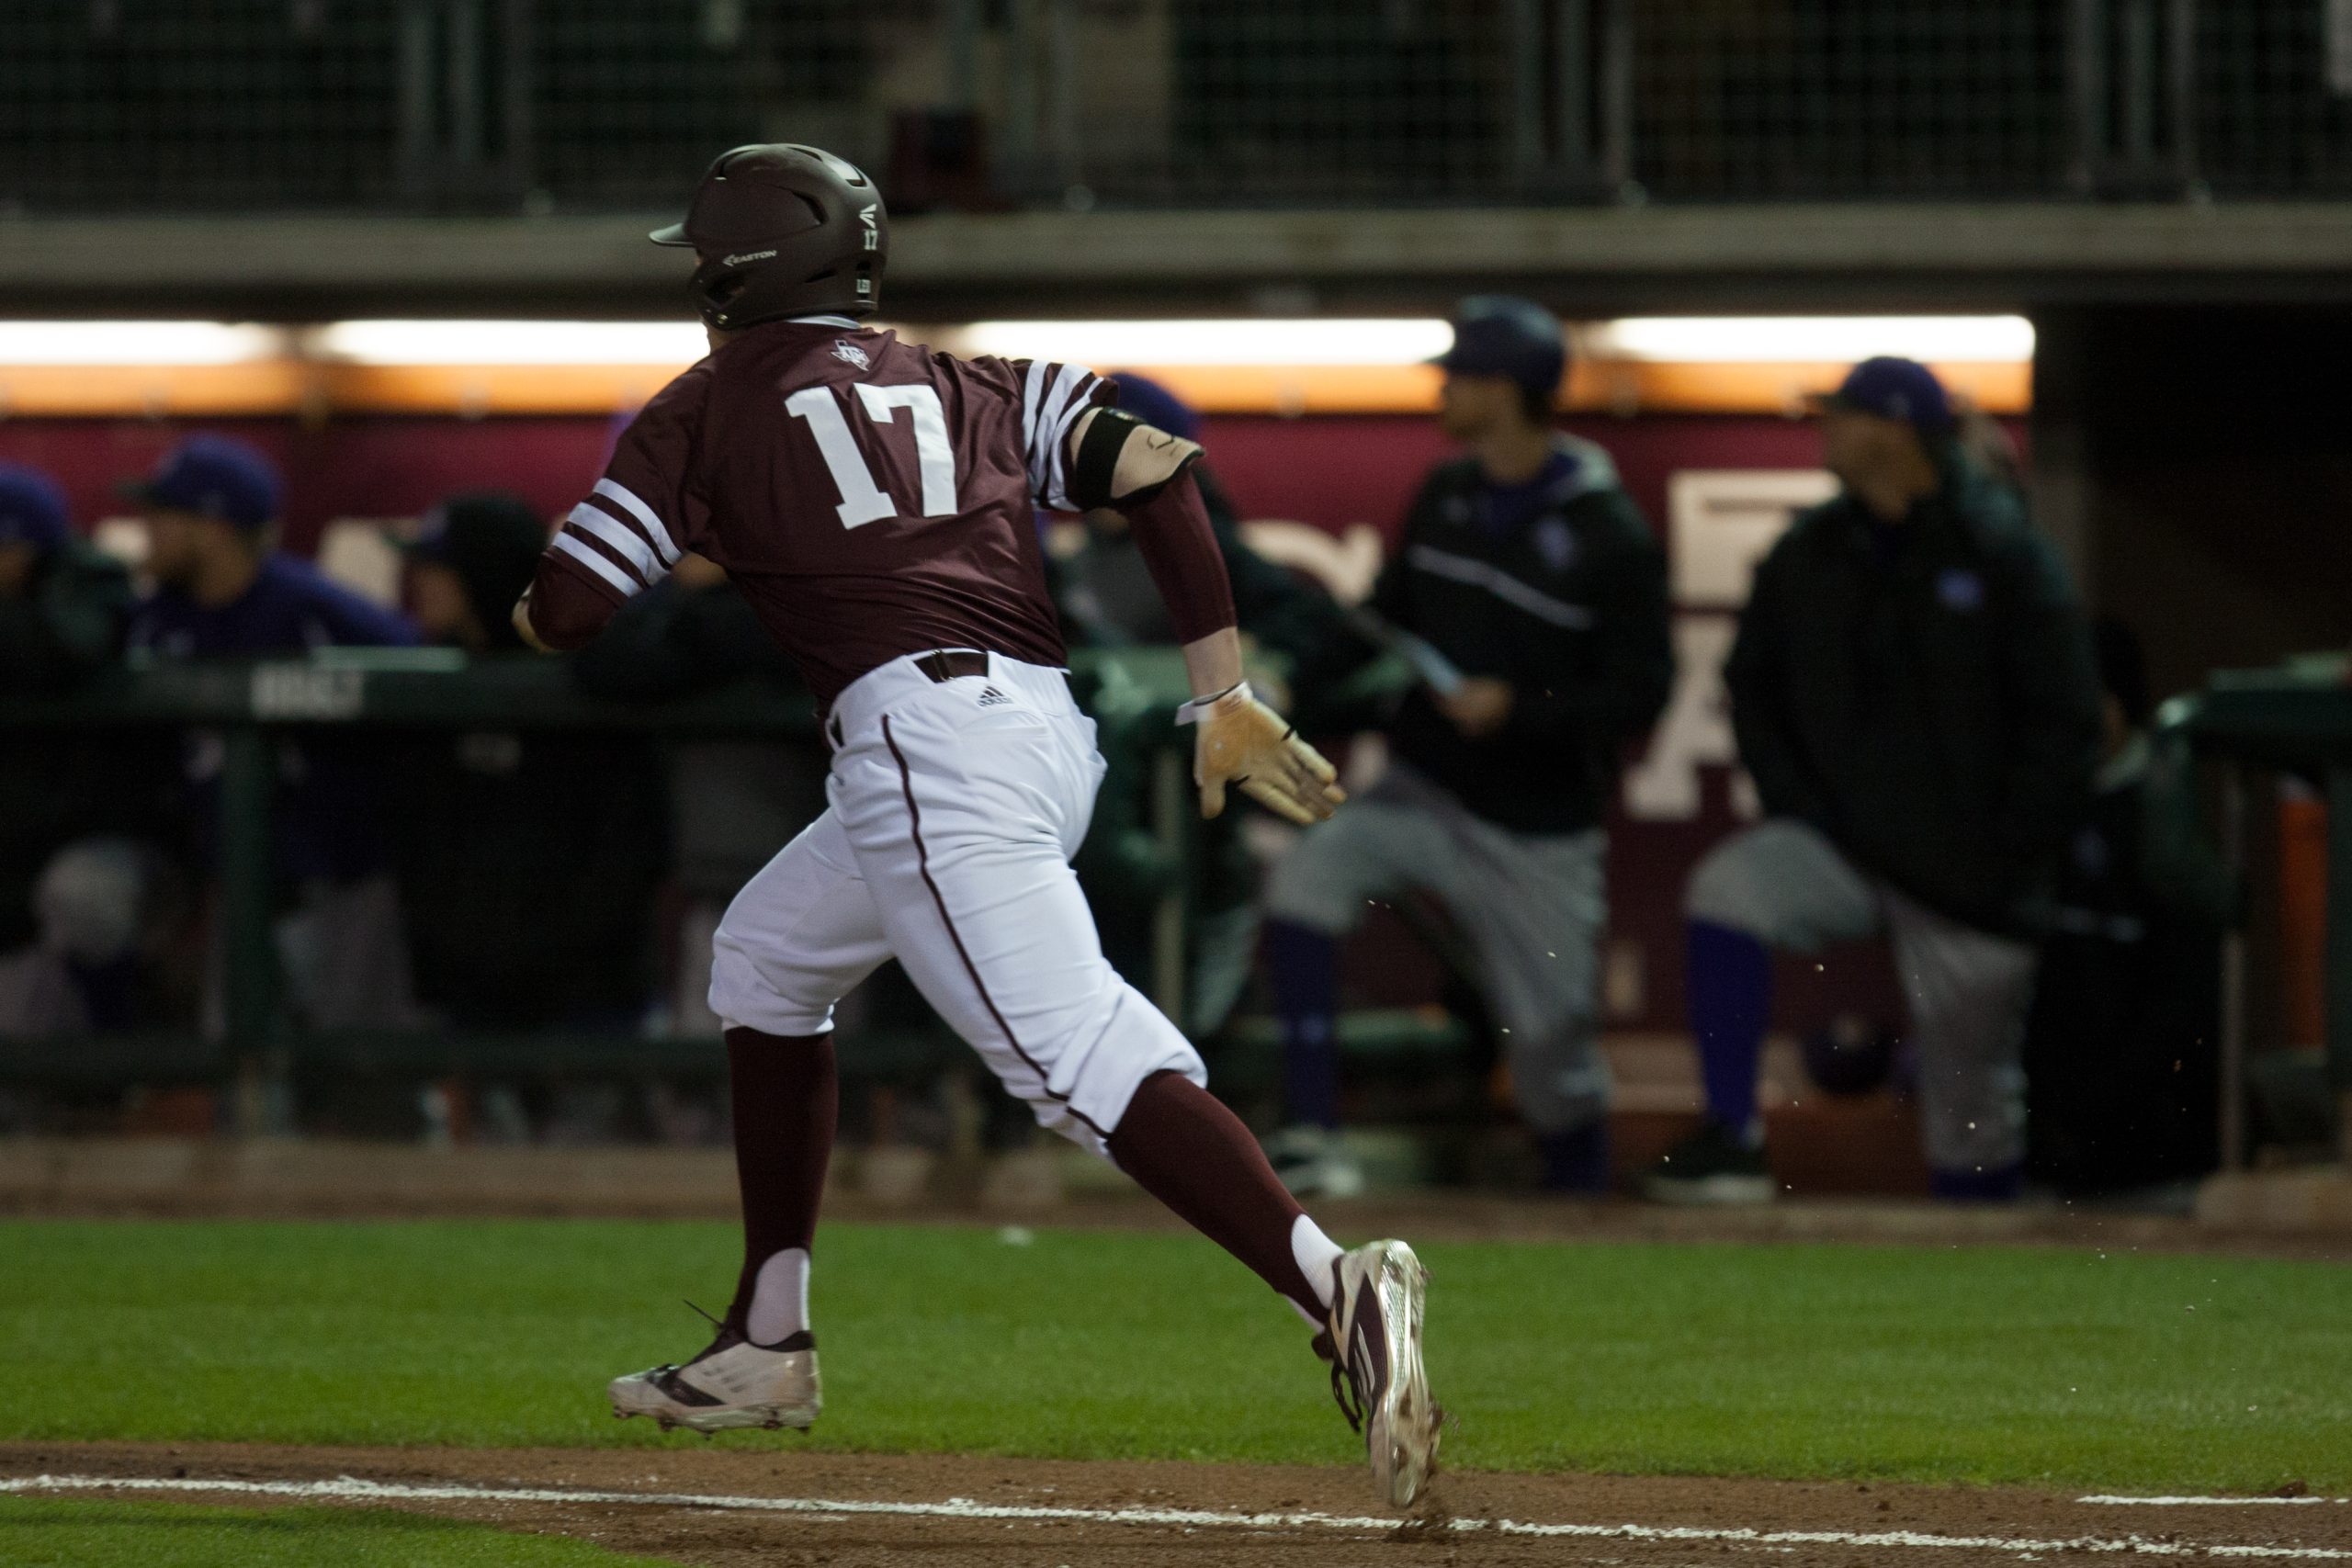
(954, 809)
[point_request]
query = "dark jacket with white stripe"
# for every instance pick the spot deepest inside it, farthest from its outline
(1568, 606)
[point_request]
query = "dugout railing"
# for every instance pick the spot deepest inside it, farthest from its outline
(2256, 725)
(253, 706)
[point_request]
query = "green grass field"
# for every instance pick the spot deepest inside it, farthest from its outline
(2057, 1368)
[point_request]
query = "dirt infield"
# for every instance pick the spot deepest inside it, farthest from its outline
(773, 1505)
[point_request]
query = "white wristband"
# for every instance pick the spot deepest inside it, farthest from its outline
(1191, 712)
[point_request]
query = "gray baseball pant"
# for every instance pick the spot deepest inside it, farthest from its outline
(1530, 905)
(1784, 883)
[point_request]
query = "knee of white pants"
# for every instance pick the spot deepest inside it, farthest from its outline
(1971, 1115)
(741, 993)
(1725, 890)
(1308, 886)
(1079, 1078)
(1971, 1033)
(1558, 1074)
(88, 898)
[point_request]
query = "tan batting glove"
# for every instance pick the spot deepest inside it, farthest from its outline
(1245, 743)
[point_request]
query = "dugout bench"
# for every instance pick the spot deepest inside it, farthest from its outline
(1132, 693)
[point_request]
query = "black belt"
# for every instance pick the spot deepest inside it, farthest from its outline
(943, 666)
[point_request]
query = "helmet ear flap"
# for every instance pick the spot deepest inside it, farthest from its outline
(724, 290)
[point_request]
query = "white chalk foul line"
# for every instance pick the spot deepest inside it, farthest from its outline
(351, 1488)
(2209, 1502)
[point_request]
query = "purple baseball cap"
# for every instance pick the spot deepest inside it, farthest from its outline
(32, 508)
(213, 475)
(1500, 335)
(1896, 389)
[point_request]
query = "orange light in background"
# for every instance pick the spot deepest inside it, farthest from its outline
(1652, 365)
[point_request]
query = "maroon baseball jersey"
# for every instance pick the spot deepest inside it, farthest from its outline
(869, 498)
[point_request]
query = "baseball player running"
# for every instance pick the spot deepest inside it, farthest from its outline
(874, 501)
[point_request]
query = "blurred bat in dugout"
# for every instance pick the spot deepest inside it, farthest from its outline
(1436, 672)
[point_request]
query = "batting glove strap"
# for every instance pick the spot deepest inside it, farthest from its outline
(1196, 710)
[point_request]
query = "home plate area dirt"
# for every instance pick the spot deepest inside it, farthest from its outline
(775, 1507)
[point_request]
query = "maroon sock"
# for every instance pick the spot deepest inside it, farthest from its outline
(1182, 1145)
(786, 1097)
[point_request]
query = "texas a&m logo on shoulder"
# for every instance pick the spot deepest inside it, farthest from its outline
(849, 353)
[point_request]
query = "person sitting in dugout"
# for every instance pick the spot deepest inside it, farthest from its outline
(529, 860)
(1913, 692)
(80, 911)
(224, 590)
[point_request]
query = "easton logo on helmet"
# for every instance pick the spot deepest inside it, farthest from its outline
(873, 234)
(746, 256)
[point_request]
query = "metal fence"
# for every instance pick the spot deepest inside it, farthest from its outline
(525, 105)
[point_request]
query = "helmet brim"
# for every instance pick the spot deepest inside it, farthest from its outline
(676, 234)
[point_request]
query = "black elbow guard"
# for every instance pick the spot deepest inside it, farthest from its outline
(1118, 461)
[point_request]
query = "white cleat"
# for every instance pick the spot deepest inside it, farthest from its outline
(1376, 1339)
(733, 1384)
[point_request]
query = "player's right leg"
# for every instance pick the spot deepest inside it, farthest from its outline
(798, 935)
(1969, 992)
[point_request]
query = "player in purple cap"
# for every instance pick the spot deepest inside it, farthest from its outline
(1528, 596)
(1912, 693)
(223, 590)
(69, 885)
(221, 587)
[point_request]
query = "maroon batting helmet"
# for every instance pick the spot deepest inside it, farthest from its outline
(783, 231)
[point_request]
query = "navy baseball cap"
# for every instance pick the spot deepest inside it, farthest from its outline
(1500, 335)
(481, 525)
(1896, 389)
(493, 541)
(213, 475)
(32, 508)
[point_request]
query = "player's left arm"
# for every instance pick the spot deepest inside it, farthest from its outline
(1117, 460)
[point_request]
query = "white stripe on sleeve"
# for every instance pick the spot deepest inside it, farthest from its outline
(596, 563)
(625, 541)
(1081, 384)
(1033, 395)
(663, 546)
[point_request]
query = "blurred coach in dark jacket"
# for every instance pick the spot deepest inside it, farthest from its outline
(1914, 692)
